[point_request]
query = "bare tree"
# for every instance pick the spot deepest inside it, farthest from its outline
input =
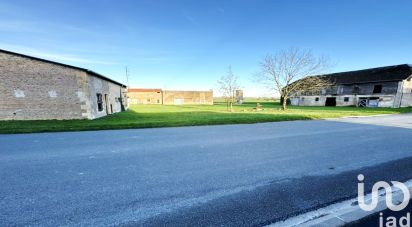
(228, 85)
(291, 71)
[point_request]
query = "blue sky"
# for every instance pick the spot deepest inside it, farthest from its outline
(190, 44)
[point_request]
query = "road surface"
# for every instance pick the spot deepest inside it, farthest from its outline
(232, 175)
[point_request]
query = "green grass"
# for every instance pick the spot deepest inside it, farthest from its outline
(150, 116)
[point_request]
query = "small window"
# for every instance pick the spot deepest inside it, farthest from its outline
(377, 89)
(158, 101)
(148, 100)
(317, 99)
(346, 99)
(99, 102)
(19, 93)
(52, 94)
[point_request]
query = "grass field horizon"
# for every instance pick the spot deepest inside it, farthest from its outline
(154, 116)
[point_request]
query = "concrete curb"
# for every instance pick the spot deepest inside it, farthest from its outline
(342, 213)
(363, 116)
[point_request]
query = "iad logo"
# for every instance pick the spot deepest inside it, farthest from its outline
(388, 193)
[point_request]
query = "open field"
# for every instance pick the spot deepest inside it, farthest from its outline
(150, 116)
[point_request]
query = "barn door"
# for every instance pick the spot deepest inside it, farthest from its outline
(106, 101)
(330, 101)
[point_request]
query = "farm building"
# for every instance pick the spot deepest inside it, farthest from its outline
(144, 96)
(37, 89)
(389, 86)
(169, 97)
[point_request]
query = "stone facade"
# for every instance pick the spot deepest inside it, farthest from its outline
(382, 89)
(145, 96)
(187, 97)
(169, 97)
(37, 89)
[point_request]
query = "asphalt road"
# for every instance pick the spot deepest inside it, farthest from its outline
(233, 175)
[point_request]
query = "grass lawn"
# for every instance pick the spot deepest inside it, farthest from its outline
(150, 116)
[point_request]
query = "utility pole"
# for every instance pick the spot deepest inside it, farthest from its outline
(127, 77)
(126, 102)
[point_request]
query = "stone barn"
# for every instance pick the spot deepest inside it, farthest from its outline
(37, 89)
(187, 97)
(145, 96)
(169, 97)
(389, 86)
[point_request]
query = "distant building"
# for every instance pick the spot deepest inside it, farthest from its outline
(37, 89)
(389, 86)
(169, 97)
(145, 96)
(239, 96)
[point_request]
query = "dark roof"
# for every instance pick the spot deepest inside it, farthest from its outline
(64, 65)
(381, 74)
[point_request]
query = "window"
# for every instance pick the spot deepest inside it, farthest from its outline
(99, 102)
(346, 99)
(317, 99)
(52, 94)
(19, 93)
(377, 89)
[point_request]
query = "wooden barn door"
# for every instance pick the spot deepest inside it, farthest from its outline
(106, 101)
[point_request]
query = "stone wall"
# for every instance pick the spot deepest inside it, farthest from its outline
(145, 97)
(32, 89)
(406, 98)
(112, 97)
(36, 90)
(347, 100)
(342, 100)
(187, 97)
(169, 97)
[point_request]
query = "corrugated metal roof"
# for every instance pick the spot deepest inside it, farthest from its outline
(388, 73)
